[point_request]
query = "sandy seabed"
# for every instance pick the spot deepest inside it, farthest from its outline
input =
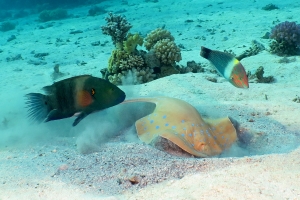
(98, 158)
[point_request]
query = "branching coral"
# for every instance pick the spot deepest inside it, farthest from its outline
(115, 60)
(154, 36)
(116, 78)
(136, 74)
(144, 66)
(143, 75)
(151, 60)
(131, 61)
(117, 27)
(131, 43)
(167, 51)
(287, 38)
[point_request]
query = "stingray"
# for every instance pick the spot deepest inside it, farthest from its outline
(180, 123)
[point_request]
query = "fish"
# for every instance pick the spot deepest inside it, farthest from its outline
(79, 95)
(179, 122)
(228, 66)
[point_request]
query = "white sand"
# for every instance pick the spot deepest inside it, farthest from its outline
(26, 158)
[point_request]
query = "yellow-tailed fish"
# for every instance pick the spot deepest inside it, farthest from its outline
(81, 94)
(228, 66)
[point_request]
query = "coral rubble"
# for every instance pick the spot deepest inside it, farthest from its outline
(269, 7)
(56, 14)
(258, 77)
(96, 10)
(7, 26)
(253, 50)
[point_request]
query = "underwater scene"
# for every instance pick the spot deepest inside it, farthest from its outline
(149, 99)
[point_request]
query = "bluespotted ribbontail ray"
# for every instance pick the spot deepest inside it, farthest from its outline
(180, 123)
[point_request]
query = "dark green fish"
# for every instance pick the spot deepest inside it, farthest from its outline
(80, 94)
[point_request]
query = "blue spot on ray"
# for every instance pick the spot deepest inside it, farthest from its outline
(157, 127)
(151, 121)
(173, 127)
(182, 134)
(182, 121)
(190, 135)
(184, 128)
(164, 117)
(166, 124)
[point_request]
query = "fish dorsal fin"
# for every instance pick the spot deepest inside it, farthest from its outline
(49, 89)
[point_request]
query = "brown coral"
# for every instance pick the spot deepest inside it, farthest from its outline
(167, 51)
(131, 61)
(156, 35)
(117, 27)
(143, 75)
(135, 75)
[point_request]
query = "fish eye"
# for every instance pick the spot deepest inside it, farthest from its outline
(93, 91)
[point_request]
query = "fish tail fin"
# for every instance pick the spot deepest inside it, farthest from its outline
(38, 106)
(205, 52)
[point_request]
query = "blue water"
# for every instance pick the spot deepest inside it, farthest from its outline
(75, 42)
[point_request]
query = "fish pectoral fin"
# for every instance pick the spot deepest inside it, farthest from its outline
(80, 117)
(54, 115)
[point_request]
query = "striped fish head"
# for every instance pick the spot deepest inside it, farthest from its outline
(238, 76)
(103, 93)
(108, 94)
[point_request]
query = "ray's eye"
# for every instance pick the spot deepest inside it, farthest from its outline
(93, 91)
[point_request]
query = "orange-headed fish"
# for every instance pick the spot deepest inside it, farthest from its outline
(81, 94)
(228, 66)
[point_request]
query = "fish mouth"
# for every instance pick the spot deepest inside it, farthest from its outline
(122, 97)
